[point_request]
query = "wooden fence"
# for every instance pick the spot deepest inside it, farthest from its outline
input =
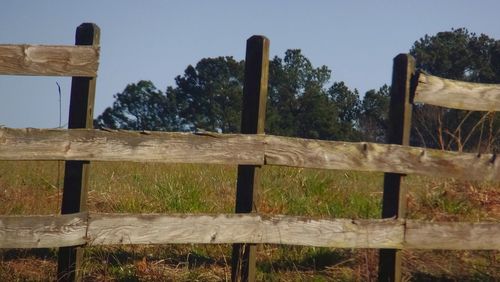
(76, 228)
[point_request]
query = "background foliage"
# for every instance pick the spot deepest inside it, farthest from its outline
(305, 102)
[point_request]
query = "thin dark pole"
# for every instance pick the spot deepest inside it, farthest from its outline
(394, 197)
(76, 175)
(252, 122)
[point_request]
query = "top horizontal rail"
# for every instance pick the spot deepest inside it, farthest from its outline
(49, 60)
(455, 94)
(213, 148)
(135, 146)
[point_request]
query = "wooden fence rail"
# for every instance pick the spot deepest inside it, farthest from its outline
(118, 229)
(455, 94)
(49, 60)
(251, 149)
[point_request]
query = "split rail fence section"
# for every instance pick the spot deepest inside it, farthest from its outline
(76, 228)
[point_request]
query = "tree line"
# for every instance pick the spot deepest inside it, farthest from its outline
(303, 102)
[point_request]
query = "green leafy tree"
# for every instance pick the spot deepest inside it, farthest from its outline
(139, 107)
(316, 117)
(373, 119)
(349, 108)
(209, 95)
(301, 104)
(459, 54)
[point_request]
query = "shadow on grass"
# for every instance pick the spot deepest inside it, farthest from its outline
(425, 277)
(122, 256)
(43, 253)
(313, 260)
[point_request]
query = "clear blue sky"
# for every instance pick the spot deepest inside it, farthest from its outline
(156, 40)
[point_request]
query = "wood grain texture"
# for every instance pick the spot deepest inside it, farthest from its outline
(100, 145)
(42, 231)
(243, 228)
(49, 60)
(212, 148)
(455, 94)
(453, 235)
(380, 157)
(117, 229)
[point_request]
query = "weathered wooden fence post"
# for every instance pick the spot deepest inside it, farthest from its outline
(394, 198)
(252, 122)
(76, 173)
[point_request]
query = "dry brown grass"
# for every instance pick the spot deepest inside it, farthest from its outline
(32, 188)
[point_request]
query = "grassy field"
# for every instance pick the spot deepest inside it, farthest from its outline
(34, 188)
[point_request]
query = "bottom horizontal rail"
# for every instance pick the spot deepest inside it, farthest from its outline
(43, 231)
(111, 229)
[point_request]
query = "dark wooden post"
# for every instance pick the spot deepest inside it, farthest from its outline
(252, 122)
(394, 199)
(76, 175)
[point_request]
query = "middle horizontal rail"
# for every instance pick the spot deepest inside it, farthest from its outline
(214, 148)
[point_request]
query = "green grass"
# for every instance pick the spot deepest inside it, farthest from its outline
(34, 188)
